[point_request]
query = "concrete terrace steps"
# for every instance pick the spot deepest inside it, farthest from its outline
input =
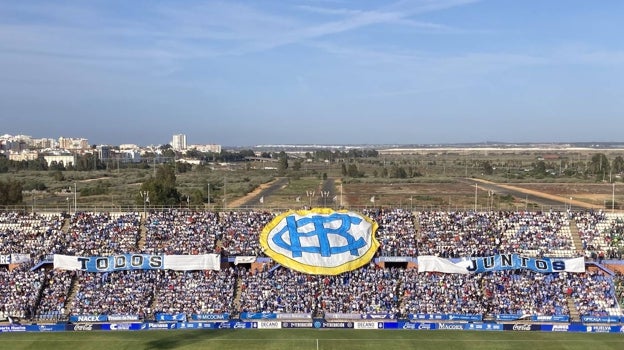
(237, 294)
(576, 239)
(73, 290)
(142, 233)
(574, 314)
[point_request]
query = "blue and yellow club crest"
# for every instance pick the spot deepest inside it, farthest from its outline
(320, 241)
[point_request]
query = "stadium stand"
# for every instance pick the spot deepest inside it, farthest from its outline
(31, 290)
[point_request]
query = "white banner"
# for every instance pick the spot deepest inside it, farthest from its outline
(499, 263)
(433, 263)
(124, 262)
(67, 262)
(193, 262)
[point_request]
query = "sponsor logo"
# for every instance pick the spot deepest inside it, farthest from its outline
(622, 329)
(45, 329)
(240, 325)
(543, 318)
(120, 326)
(366, 325)
(269, 325)
(123, 317)
(409, 326)
(599, 329)
(522, 327)
(560, 328)
(450, 326)
(320, 241)
(225, 325)
(337, 325)
(160, 325)
(593, 319)
(88, 318)
(83, 327)
(12, 328)
(299, 325)
(205, 317)
(425, 326)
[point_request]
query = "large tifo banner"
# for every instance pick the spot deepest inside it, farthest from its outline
(498, 263)
(138, 262)
(320, 241)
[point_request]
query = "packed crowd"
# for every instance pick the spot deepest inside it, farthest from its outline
(278, 290)
(602, 234)
(396, 232)
(368, 290)
(593, 293)
(461, 234)
(619, 287)
(115, 293)
(35, 235)
(195, 292)
(435, 293)
(92, 234)
(19, 289)
(54, 294)
(239, 232)
(525, 292)
(181, 232)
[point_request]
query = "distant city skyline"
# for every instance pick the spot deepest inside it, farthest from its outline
(239, 73)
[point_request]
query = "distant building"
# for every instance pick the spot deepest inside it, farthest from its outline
(25, 155)
(178, 143)
(207, 148)
(130, 156)
(130, 146)
(44, 143)
(104, 152)
(65, 159)
(73, 144)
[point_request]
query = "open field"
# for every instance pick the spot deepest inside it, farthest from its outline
(434, 179)
(310, 340)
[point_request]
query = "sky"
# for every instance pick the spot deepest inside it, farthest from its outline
(243, 73)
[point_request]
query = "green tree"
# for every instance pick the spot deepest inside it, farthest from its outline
(162, 188)
(487, 168)
(297, 165)
(540, 168)
(10, 192)
(282, 164)
(618, 165)
(599, 165)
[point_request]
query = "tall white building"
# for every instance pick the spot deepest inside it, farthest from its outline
(179, 142)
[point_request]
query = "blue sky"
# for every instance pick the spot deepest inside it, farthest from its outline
(241, 73)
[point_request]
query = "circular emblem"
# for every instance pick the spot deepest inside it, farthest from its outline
(320, 241)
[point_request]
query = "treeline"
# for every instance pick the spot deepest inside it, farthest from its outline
(10, 192)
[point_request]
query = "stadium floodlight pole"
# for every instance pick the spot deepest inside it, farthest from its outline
(324, 194)
(341, 195)
(476, 194)
(613, 199)
(75, 199)
(145, 196)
